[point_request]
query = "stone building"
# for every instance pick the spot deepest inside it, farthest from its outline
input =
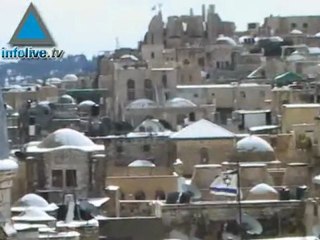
(66, 161)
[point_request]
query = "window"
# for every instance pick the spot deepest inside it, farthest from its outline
(186, 62)
(164, 80)
(167, 96)
(192, 117)
(57, 178)
(146, 148)
(140, 195)
(152, 55)
(195, 95)
(131, 90)
(227, 64)
(305, 25)
(218, 64)
(293, 25)
(180, 119)
(148, 92)
(243, 94)
(71, 178)
(204, 155)
(201, 62)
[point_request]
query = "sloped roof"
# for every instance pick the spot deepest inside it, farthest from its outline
(202, 129)
(287, 78)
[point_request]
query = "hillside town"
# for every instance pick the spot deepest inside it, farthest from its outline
(202, 132)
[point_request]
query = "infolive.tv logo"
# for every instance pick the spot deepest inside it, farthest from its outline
(31, 40)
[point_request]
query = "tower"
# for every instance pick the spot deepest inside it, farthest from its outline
(8, 166)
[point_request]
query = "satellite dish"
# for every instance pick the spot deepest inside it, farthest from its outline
(250, 225)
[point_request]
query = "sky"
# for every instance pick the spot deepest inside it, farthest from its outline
(91, 26)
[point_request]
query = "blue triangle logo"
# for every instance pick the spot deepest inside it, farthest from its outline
(32, 31)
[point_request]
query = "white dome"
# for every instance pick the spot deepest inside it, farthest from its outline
(70, 78)
(142, 103)
(262, 188)
(296, 31)
(150, 125)
(53, 81)
(8, 165)
(253, 144)
(66, 99)
(130, 57)
(33, 214)
(317, 34)
(226, 40)
(180, 102)
(33, 200)
(66, 137)
(86, 105)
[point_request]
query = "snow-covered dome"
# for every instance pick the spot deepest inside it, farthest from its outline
(263, 188)
(66, 99)
(150, 125)
(70, 78)
(253, 144)
(263, 191)
(226, 40)
(53, 81)
(296, 31)
(85, 106)
(142, 103)
(129, 57)
(33, 200)
(180, 102)
(317, 34)
(8, 165)
(66, 137)
(34, 214)
(141, 163)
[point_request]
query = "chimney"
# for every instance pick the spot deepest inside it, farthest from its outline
(203, 12)
(211, 9)
(4, 143)
(191, 12)
(69, 201)
(113, 192)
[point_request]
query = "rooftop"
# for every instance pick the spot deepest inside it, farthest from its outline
(202, 129)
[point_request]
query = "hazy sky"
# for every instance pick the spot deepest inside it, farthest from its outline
(90, 26)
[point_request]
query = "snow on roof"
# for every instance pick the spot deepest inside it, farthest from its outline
(253, 144)
(87, 103)
(141, 103)
(253, 111)
(141, 163)
(33, 200)
(150, 125)
(262, 188)
(66, 138)
(8, 165)
(179, 102)
(296, 31)
(98, 202)
(202, 129)
(76, 224)
(70, 78)
(222, 85)
(33, 214)
(162, 69)
(26, 226)
(316, 179)
(129, 56)
(60, 235)
(314, 50)
(302, 105)
(265, 127)
(226, 40)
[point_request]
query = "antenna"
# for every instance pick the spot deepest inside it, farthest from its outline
(117, 43)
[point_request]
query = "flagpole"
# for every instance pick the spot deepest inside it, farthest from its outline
(239, 192)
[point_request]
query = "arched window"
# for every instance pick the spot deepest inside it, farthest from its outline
(160, 195)
(148, 91)
(140, 195)
(180, 119)
(131, 90)
(204, 155)
(164, 80)
(152, 55)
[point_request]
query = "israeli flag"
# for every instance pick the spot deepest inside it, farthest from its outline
(226, 184)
